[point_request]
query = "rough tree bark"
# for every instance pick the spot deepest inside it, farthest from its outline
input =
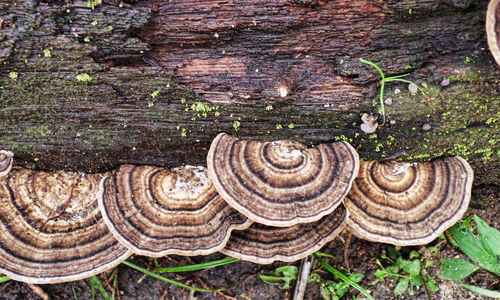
(164, 77)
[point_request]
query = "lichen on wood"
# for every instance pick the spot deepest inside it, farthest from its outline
(164, 78)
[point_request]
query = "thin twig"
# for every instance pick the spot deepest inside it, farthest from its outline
(305, 269)
(65, 204)
(39, 291)
(346, 250)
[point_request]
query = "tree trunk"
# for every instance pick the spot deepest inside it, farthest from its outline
(153, 82)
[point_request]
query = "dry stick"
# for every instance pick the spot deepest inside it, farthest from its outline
(305, 269)
(346, 250)
(165, 292)
(65, 204)
(216, 292)
(39, 291)
(145, 275)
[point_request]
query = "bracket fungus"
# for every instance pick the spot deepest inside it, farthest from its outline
(156, 212)
(408, 204)
(493, 28)
(264, 244)
(281, 183)
(51, 229)
(6, 158)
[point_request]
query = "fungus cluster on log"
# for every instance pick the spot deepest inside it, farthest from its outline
(257, 201)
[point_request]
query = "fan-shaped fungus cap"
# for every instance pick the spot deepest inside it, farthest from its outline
(493, 28)
(281, 183)
(264, 244)
(51, 229)
(156, 212)
(408, 204)
(6, 158)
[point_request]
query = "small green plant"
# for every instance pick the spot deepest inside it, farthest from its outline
(385, 79)
(47, 53)
(332, 290)
(92, 3)
(84, 77)
(236, 125)
(155, 94)
(482, 249)
(283, 274)
(407, 272)
(346, 279)
(13, 75)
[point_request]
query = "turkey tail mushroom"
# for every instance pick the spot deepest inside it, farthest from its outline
(51, 229)
(408, 204)
(6, 159)
(281, 183)
(265, 244)
(156, 212)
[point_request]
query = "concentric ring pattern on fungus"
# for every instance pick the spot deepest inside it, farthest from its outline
(265, 244)
(51, 228)
(408, 204)
(281, 183)
(155, 211)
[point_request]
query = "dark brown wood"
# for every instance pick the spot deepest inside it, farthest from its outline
(167, 76)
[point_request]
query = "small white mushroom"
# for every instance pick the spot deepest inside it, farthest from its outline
(369, 123)
(412, 88)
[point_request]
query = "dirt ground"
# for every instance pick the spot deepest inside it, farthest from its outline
(241, 279)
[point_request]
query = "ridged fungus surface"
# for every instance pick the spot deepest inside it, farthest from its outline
(281, 183)
(155, 211)
(6, 159)
(265, 244)
(51, 229)
(408, 204)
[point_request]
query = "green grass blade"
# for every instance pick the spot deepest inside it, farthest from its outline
(375, 66)
(208, 265)
(74, 290)
(343, 277)
(92, 290)
(4, 279)
(406, 81)
(481, 291)
(323, 254)
(96, 282)
(396, 76)
(164, 279)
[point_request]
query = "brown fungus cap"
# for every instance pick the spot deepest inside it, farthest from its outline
(408, 204)
(6, 159)
(156, 212)
(281, 183)
(264, 244)
(493, 28)
(51, 229)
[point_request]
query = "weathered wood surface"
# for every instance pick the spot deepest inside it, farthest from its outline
(230, 60)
